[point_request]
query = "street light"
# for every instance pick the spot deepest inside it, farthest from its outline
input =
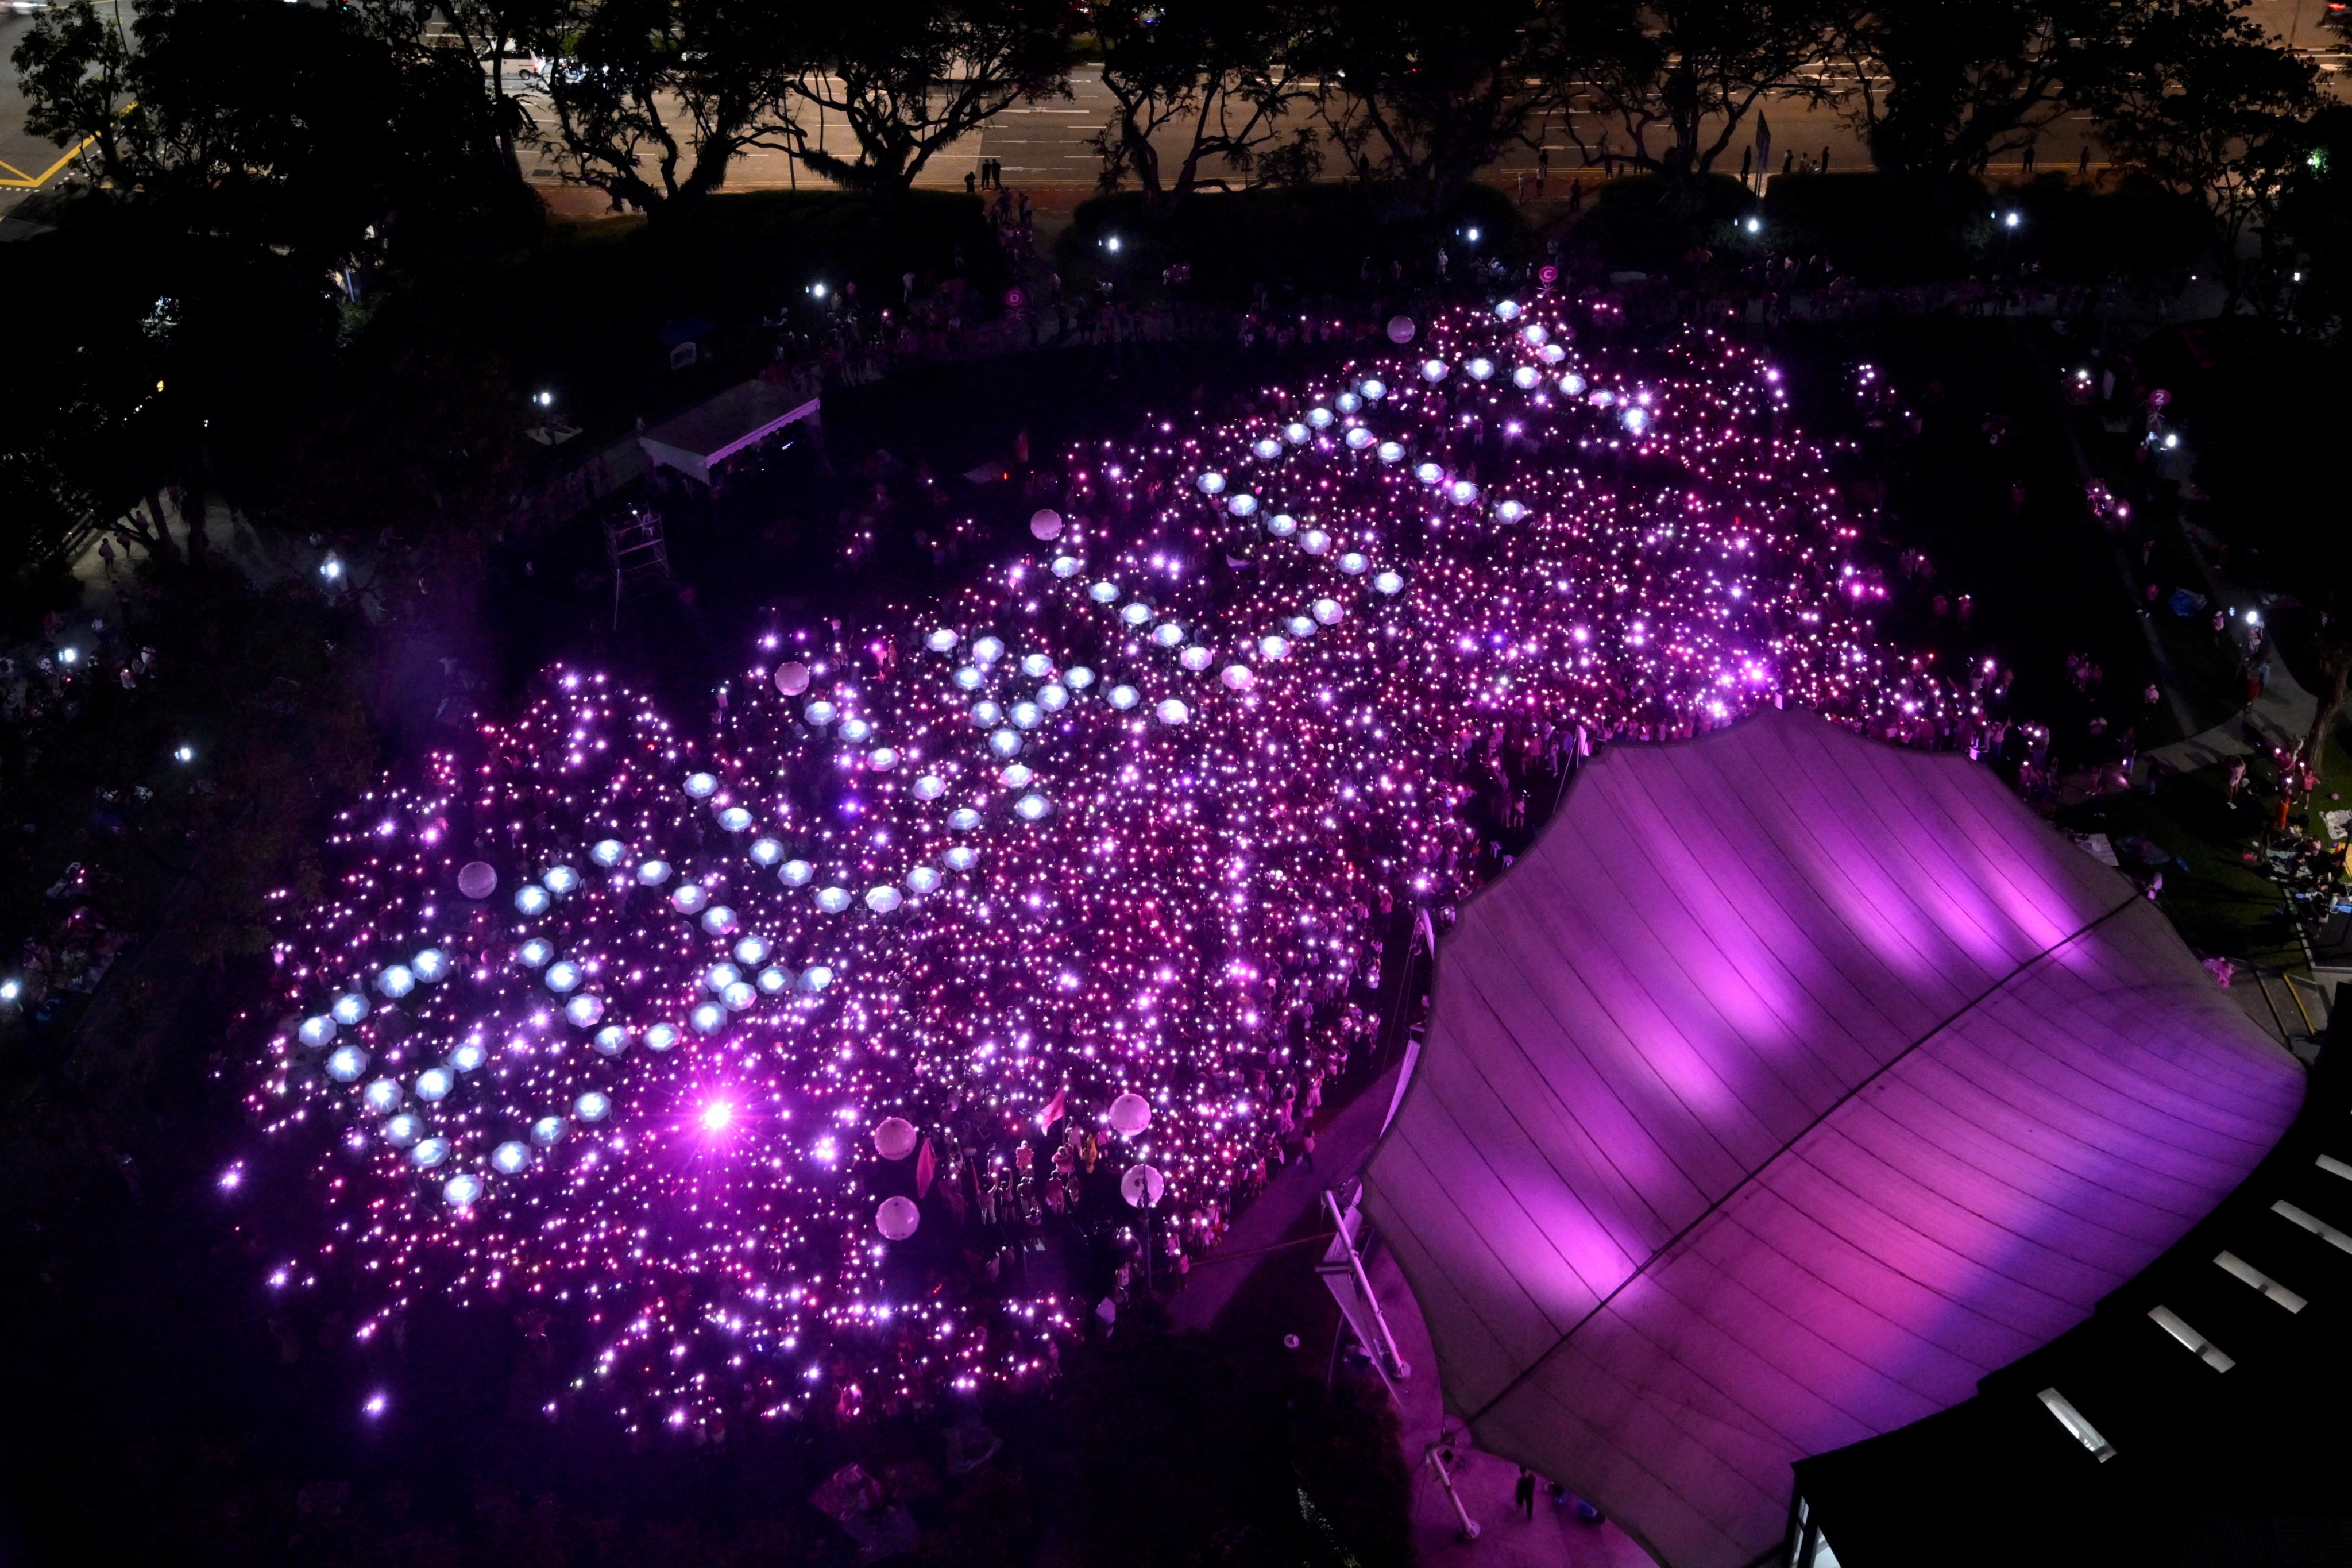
(185, 753)
(2011, 218)
(1110, 243)
(1755, 225)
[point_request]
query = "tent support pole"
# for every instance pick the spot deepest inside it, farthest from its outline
(1397, 1364)
(1438, 1461)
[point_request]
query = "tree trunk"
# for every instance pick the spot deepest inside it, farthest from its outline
(504, 115)
(154, 537)
(163, 526)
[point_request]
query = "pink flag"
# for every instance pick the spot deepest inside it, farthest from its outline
(926, 1168)
(1053, 1113)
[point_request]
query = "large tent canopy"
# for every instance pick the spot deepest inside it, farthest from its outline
(1789, 1085)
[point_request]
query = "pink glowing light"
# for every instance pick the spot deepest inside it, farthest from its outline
(1081, 833)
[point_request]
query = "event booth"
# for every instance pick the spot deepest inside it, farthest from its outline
(697, 441)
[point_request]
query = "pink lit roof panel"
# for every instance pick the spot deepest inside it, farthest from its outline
(1791, 1084)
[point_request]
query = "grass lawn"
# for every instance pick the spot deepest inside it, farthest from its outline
(2218, 903)
(2204, 669)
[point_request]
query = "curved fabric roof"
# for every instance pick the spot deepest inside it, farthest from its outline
(1791, 1083)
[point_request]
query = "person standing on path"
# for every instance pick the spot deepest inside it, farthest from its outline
(1523, 1495)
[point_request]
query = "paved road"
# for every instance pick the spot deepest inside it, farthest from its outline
(23, 159)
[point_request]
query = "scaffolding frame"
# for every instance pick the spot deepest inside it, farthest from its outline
(639, 552)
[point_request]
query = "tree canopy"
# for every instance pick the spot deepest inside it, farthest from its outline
(908, 77)
(654, 99)
(288, 126)
(2199, 98)
(1942, 88)
(1681, 85)
(2308, 228)
(1223, 75)
(1430, 93)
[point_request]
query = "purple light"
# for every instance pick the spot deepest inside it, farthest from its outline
(1257, 795)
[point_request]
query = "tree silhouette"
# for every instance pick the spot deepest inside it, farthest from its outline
(1223, 75)
(1680, 86)
(907, 78)
(2203, 100)
(1941, 89)
(286, 126)
(2307, 228)
(1437, 90)
(655, 99)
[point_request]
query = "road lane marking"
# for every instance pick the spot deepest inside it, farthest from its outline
(24, 182)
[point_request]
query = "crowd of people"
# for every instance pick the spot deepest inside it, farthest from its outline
(1050, 1184)
(942, 315)
(79, 673)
